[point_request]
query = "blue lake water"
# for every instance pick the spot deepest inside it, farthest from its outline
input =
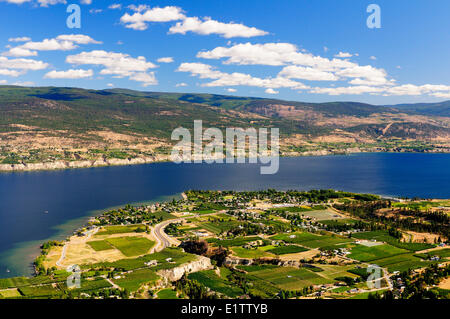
(71, 196)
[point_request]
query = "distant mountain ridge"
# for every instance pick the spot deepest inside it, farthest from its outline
(46, 124)
(346, 107)
(438, 109)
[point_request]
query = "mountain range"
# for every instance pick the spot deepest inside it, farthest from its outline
(45, 124)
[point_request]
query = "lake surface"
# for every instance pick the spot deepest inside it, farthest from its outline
(38, 206)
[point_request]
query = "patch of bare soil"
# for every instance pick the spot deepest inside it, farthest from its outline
(420, 237)
(445, 284)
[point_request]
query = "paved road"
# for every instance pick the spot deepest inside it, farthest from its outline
(162, 239)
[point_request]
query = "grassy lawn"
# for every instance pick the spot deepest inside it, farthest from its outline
(100, 245)
(364, 253)
(131, 246)
(134, 280)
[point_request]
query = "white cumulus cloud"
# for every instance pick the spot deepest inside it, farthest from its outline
(69, 74)
(165, 60)
(117, 64)
(205, 71)
(209, 26)
(64, 42)
(139, 21)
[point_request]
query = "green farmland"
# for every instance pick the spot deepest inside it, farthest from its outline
(99, 245)
(288, 249)
(131, 246)
(364, 253)
(134, 280)
(211, 280)
(289, 278)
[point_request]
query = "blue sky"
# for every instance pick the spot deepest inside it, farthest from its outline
(297, 50)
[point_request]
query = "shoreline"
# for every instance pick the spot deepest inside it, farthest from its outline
(67, 229)
(65, 165)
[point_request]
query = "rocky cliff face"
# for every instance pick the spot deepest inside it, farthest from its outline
(79, 164)
(235, 261)
(174, 274)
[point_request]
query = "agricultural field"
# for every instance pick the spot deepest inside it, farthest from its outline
(44, 291)
(10, 293)
(111, 230)
(14, 282)
(442, 253)
(93, 284)
(312, 240)
(219, 227)
(403, 262)
(100, 245)
(288, 249)
(294, 209)
(341, 221)
(365, 253)
(320, 215)
(289, 257)
(423, 205)
(207, 208)
(177, 256)
(253, 268)
(383, 236)
(131, 246)
(210, 279)
(134, 280)
(164, 215)
(233, 242)
(167, 294)
(250, 253)
(332, 272)
(289, 278)
(296, 238)
(59, 276)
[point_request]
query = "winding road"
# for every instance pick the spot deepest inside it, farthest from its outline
(162, 239)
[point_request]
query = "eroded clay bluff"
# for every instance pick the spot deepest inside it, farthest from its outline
(174, 274)
(57, 165)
